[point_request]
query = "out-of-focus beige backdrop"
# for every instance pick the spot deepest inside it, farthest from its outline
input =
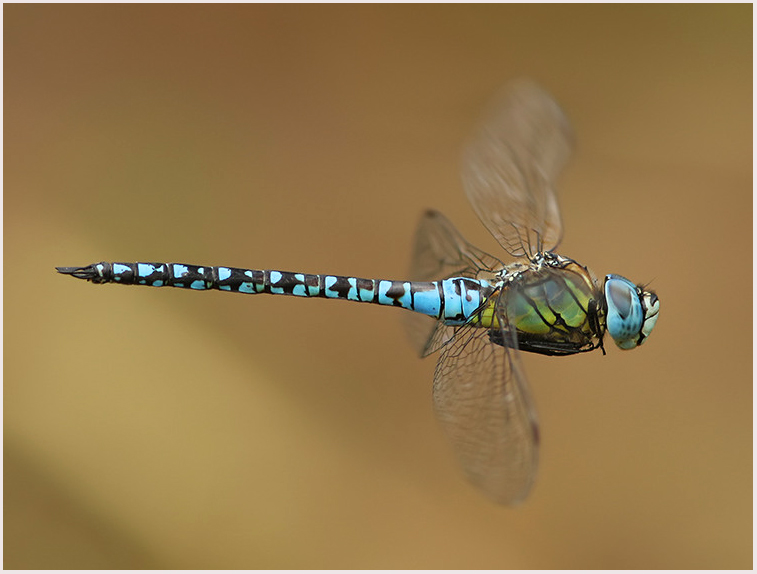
(172, 429)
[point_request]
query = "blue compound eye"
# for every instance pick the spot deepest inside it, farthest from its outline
(625, 312)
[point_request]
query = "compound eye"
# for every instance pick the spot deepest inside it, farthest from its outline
(625, 314)
(619, 297)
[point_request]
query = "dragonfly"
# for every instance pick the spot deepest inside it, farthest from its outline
(475, 311)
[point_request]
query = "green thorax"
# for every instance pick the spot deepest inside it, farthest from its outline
(553, 302)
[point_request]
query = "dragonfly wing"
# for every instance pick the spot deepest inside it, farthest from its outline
(482, 399)
(440, 251)
(510, 166)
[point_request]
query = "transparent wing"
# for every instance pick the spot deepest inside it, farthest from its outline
(510, 166)
(439, 251)
(482, 399)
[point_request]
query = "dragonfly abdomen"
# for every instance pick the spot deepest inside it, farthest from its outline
(453, 300)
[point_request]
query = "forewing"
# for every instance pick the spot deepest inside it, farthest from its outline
(481, 398)
(510, 166)
(439, 251)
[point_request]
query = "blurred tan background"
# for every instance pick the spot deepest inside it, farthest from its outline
(171, 429)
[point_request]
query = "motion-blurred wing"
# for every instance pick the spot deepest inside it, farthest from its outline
(510, 166)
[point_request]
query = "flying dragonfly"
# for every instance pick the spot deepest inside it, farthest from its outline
(476, 311)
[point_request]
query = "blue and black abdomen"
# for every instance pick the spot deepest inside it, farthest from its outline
(453, 300)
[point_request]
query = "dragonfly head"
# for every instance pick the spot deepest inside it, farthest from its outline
(631, 311)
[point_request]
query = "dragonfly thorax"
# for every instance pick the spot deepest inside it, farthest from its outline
(552, 304)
